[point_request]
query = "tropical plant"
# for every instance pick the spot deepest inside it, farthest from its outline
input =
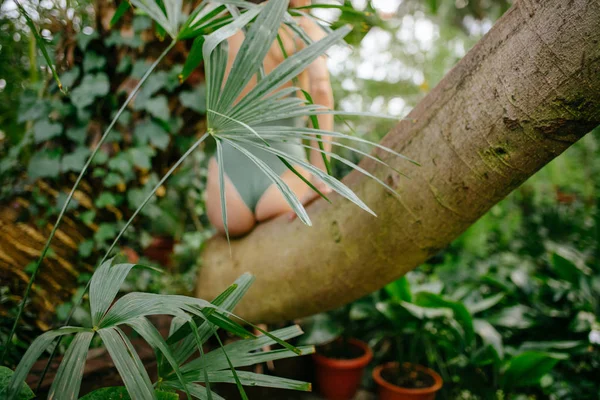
(194, 322)
(229, 122)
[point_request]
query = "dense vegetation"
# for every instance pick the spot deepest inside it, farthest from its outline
(511, 308)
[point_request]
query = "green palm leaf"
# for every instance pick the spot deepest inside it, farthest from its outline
(70, 373)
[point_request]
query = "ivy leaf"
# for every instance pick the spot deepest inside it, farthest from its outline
(158, 81)
(75, 160)
(93, 62)
(106, 199)
(141, 157)
(87, 217)
(123, 164)
(141, 23)
(116, 39)
(77, 134)
(69, 77)
(44, 164)
(113, 179)
(105, 232)
(194, 100)
(83, 40)
(91, 87)
(85, 248)
(158, 107)
(44, 130)
(151, 132)
(124, 65)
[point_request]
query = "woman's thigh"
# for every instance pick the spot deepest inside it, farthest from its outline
(240, 219)
(272, 203)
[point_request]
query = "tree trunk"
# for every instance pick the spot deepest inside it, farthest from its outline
(523, 95)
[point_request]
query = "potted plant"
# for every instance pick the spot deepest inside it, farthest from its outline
(406, 381)
(407, 334)
(340, 359)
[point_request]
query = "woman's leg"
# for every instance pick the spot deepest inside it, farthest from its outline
(240, 219)
(272, 203)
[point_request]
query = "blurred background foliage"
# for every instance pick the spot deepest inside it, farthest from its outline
(509, 310)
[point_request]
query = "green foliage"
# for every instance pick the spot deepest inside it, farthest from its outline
(120, 392)
(177, 371)
(25, 393)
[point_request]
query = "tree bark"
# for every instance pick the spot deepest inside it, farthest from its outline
(527, 91)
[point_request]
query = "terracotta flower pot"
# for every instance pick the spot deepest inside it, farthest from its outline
(389, 391)
(339, 379)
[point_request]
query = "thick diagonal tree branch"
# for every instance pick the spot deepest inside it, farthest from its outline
(523, 95)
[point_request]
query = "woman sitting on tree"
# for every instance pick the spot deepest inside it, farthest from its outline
(251, 197)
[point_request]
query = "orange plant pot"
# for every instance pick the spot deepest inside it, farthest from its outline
(340, 379)
(389, 391)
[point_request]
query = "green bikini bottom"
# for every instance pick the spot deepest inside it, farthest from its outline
(249, 180)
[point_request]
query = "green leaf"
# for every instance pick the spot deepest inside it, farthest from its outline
(25, 393)
(251, 54)
(78, 134)
(120, 393)
(193, 59)
(104, 287)
(489, 335)
(399, 290)
(44, 130)
(485, 304)
(151, 132)
(527, 369)
(69, 77)
(76, 160)
(142, 156)
(120, 11)
(37, 347)
(146, 330)
(128, 364)
(85, 248)
(194, 100)
(70, 372)
(84, 39)
(91, 87)
(93, 62)
(105, 199)
(43, 164)
(565, 269)
(461, 313)
(261, 380)
(221, 165)
(158, 107)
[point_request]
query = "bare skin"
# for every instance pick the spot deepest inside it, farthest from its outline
(315, 80)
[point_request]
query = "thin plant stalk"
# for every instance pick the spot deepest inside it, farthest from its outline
(114, 243)
(70, 196)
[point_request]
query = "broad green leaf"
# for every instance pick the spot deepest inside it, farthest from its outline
(158, 107)
(128, 364)
(151, 132)
(399, 289)
(489, 335)
(195, 99)
(527, 369)
(93, 62)
(25, 393)
(460, 312)
(485, 304)
(37, 347)
(70, 372)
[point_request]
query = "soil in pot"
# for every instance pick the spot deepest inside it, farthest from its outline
(406, 376)
(341, 350)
